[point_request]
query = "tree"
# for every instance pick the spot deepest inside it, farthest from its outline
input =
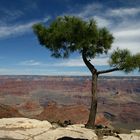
(66, 35)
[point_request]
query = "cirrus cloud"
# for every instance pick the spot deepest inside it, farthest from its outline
(18, 29)
(121, 12)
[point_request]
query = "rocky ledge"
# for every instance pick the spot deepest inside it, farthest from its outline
(31, 129)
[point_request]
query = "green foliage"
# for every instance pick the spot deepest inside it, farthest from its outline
(136, 61)
(124, 60)
(68, 34)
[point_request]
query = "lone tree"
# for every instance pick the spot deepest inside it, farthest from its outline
(66, 35)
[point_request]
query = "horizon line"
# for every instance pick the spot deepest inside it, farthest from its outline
(70, 75)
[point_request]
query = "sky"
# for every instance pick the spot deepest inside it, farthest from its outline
(21, 53)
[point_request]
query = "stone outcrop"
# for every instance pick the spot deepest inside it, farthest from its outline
(31, 129)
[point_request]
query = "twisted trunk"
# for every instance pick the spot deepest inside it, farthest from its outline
(93, 108)
(95, 73)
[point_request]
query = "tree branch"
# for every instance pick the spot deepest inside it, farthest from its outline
(107, 71)
(88, 64)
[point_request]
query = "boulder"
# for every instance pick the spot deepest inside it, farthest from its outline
(23, 123)
(24, 128)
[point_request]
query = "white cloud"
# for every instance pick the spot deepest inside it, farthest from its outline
(127, 36)
(31, 63)
(100, 61)
(79, 62)
(124, 12)
(129, 33)
(134, 47)
(71, 63)
(6, 31)
(91, 11)
(102, 22)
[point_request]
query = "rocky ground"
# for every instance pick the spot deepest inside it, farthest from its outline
(31, 129)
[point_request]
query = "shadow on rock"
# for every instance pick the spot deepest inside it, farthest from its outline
(69, 138)
(8, 139)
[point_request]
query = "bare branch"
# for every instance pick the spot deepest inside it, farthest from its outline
(109, 70)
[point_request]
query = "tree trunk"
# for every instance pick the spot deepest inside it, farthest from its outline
(93, 108)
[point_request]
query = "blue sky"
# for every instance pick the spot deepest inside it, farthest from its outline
(21, 54)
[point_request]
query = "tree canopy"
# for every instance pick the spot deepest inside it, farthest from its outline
(66, 35)
(69, 34)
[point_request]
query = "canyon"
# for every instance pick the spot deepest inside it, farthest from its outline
(67, 98)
